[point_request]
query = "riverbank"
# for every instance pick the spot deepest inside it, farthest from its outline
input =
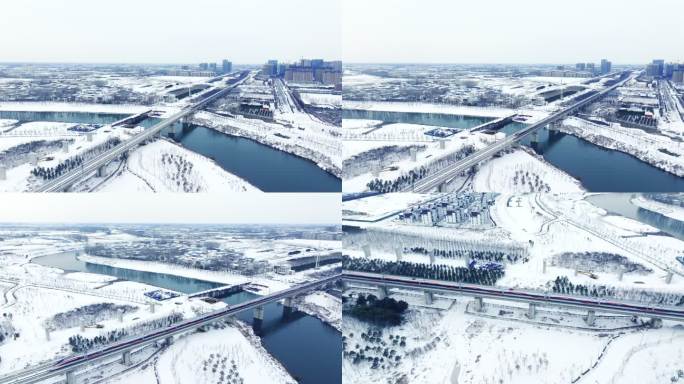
(318, 147)
(164, 166)
(656, 150)
(671, 211)
(523, 171)
(324, 306)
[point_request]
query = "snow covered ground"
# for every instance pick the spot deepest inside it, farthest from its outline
(521, 171)
(322, 100)
(231, 355)
(655, 149)
(72, 107)
(48, 144)
(163, 166)
(324, 306)
(453, 346)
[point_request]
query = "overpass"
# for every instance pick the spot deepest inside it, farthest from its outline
(439, 178)
(68, 366)
(533, 298)
(97, 163)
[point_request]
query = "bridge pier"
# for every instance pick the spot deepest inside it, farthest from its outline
(3, 173)
(47, 333)
(151, 305)
(442, 144)
(532, 311)
(33, 159)
(169, 340)
(70, 377)
(544, 266)
(429, 297)
(382, 292)
(442, 186)
(287, 302)
(591, 317)
(366, 250)
(259, 313)
(65, 147)
(620, 274)
(101, 171)
(479, 304)
(414, 154)
(668, 278)
(317, 262)
(375, 170)
(432, 258)
(535, 138)
(126, 358)
(89, 136)
(398, 252)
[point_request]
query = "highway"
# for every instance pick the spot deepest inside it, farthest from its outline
(514, 294)
(434, 180)
(70, 364)
(66, 180)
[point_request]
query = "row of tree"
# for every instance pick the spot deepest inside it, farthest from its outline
(49, 173)
(426, 271)
(80, 344)
(414, 175)
(565, 286)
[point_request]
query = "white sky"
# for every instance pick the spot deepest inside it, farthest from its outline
(171, 208)
(168, 31)
(512, 31)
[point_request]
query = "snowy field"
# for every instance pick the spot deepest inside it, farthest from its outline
(322, 100)
(46, 145)
(452, 346)
(163, 166)
(522, 172)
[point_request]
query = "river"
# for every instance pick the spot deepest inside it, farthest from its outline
(621, 204)
(267, 168)
(307, 347)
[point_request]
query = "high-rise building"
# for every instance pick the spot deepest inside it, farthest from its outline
(227, 66)
(213, 67)
(580, 66)
(678, 76)
(660, 64)
(652, 70)
(591, 68)
(605, 66)
(204, 66)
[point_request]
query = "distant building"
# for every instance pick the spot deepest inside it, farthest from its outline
(605, 66)
(580, 66)
(653, 70)
(660, 66)
(678, 76)
(227, 66)
(213, 67)
(591, 68)
(204, 66)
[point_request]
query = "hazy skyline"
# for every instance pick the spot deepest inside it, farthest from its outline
(171, 31)
(171, 208)
(521, 31)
